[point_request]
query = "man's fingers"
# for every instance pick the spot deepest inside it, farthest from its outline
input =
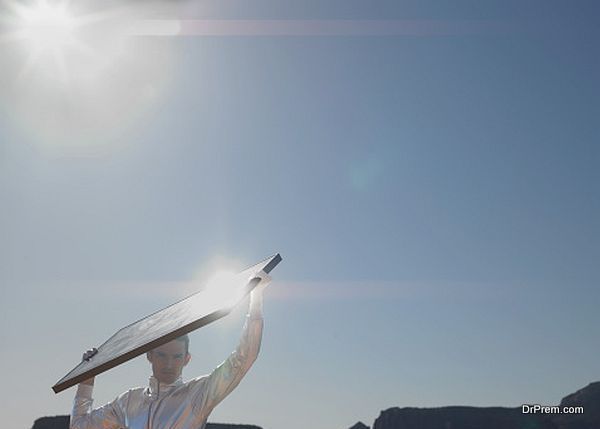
(260, 288)
(265, 279)
(89, 353)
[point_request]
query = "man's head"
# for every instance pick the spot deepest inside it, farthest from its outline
(169, 359)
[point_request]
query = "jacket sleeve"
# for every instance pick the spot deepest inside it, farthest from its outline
(228, 374)
(108, 416)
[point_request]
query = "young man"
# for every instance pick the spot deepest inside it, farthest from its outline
(168, 402)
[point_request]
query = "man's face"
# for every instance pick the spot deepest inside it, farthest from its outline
(168, 361)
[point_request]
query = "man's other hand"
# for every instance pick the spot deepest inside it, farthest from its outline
(88, 354)
(86, 357)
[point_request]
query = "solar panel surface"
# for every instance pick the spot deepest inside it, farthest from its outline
(193, 312)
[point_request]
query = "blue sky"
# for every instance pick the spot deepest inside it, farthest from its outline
(434, 196)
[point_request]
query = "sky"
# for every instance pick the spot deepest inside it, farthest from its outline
(428, 171)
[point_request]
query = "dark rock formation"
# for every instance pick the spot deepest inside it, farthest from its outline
(229, 426)
(62, 422)
(589, 399)
(497, 417)
(460, 418)
(56, 422)
(360, 425)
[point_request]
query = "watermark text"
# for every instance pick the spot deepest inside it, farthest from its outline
(546, 409)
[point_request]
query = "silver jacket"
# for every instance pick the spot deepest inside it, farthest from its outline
(172, 406)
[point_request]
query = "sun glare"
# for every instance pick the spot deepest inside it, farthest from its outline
(47, 26)
(227, 287)
(223, 285)
(71, 72)
(47, 30)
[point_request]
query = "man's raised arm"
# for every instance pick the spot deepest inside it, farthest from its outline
(83, 417)
(229, 374)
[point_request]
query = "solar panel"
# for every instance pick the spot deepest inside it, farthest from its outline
(193, 312)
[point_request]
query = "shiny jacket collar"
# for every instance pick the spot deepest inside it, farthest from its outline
(155, 388)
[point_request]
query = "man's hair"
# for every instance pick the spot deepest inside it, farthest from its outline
(186, 341)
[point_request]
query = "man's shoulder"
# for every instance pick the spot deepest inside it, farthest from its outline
(133, 392)
(199, 379)
(196, 382)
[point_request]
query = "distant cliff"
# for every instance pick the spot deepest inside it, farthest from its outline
(589, 399)
(62, 422)
(496, 417)
(460, 418)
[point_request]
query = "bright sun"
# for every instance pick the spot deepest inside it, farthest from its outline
(48, 31)
(72, 71)
(47, 26)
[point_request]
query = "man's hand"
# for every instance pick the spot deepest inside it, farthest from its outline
(265, 280)
(86, 357)
(88, 354)
(256, 296)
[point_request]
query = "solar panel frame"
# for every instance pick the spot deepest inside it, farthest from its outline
(100, 362)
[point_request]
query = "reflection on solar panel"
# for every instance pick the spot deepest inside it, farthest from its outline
(191, 313)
